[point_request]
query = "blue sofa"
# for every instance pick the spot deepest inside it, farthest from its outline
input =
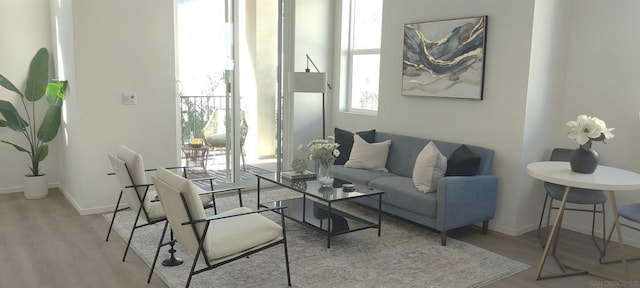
(458, 200)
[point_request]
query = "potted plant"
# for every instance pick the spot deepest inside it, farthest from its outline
(38, 86)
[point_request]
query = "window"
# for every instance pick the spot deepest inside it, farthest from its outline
(364, 55)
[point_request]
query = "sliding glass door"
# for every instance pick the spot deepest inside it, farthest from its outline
(228, 63)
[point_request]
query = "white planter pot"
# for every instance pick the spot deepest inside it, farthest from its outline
(35, 187)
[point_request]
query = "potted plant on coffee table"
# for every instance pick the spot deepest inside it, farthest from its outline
(38, 86)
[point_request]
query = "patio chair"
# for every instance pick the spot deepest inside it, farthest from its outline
(215, 135)
(220, 239)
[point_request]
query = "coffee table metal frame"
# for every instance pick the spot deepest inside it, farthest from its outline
(314, 195)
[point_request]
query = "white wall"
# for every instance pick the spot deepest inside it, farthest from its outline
(601, 80)
(547, 61)
(24, 28)
(120, 46)
(544, 103)
(495, 122)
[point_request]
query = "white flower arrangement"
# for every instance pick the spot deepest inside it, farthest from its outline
(324, 150)
(587, 129)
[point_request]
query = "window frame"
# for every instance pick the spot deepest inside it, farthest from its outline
(351, 52)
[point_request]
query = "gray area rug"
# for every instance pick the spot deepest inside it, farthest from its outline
(406, 255)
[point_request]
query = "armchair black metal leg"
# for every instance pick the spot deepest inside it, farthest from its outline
(135, 223)
(198, 251)
(155, 259)
(286, 250)
(240, 196)
(113, 218)
(213, 202)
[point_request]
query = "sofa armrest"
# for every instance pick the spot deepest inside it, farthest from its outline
(464, 200)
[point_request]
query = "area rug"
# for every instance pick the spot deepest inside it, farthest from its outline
(407, 255)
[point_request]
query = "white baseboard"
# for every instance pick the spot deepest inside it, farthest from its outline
(10, 190)
(583, 230)
(502, 229)
(20, 189)
(89, 211)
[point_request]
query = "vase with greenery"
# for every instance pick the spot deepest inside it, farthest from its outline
(38, 86)
(325, 152)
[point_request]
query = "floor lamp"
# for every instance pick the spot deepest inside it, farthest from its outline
(310, 82)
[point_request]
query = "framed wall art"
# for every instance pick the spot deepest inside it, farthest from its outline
(444, 58)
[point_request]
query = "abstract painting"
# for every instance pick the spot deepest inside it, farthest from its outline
(444, 58)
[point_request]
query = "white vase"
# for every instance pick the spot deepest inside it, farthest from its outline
(35, 187)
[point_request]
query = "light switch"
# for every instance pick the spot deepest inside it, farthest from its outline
(129, 98)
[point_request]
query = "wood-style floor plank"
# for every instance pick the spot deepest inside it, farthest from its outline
(46, 243)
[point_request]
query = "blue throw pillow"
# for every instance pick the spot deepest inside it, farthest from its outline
(345, 139)
(463, 162)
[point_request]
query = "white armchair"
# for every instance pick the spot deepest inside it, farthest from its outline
(142, 198)
(219, 239)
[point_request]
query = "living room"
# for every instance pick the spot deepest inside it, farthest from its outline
(540, 72)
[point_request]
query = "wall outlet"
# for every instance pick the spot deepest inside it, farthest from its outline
(129, 98)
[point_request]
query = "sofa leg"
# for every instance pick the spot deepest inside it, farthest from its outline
(485, 227)
(443, 238)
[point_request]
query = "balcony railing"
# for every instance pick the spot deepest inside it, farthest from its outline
(196, 111)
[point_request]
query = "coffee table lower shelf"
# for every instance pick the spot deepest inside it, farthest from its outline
(322, 217)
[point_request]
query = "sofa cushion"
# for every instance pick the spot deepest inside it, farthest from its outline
(345, 139)
(430, 166)
(401, 192)
(463, 162)
(354, 175)
(371, 156)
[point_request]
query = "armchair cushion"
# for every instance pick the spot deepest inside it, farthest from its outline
(236, 234)
(225, 236)
(174, 207)
(134, 174)
(135, 165)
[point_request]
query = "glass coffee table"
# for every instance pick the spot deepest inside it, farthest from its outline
(314, 206)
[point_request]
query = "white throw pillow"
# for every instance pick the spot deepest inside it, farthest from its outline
(430, 166)
(371, 156)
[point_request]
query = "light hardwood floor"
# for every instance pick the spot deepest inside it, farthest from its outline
(46, 243)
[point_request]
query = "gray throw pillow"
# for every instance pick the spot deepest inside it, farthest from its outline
(463, 162)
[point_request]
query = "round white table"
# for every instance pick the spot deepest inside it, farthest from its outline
(604, 178)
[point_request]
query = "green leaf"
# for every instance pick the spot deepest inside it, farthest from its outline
(50, 124)
(55, 92)
(16, 146)
(41, 153)
(8, 85)
(38, 77)
(11, 117)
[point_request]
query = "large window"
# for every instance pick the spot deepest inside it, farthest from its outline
(364, 55)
